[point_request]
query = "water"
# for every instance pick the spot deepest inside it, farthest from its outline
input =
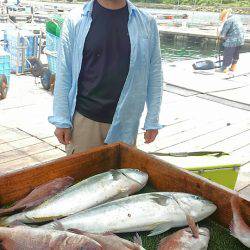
(177, 50)
(190, 48)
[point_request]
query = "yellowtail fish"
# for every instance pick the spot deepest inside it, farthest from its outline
(155, 212)
(88, 193)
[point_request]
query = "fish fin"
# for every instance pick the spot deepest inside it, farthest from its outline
(232, 228)
(159, 199)
(55, 243)
(160, 229)
(35, 203)
(58, 225)
(4, 221)
(137, 239)
(17, 223)
(108, 234)
(192, 225)
(76, 231)
(62, 240)
(122, 194)
(6, 211)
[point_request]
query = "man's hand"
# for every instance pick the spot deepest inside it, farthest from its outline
(63, 135)
(150, 135)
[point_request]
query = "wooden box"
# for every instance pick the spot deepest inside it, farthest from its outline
(163, 176)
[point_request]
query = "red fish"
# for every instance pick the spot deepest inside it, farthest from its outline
(239, 229)
(110, 241)
(40, 194)
(186, 239)
(27, 238)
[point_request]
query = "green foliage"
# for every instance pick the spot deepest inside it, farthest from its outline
(240, 3)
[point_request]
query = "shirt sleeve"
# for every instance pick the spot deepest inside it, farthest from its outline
(61, 110)
(225, 28)
(155, 84)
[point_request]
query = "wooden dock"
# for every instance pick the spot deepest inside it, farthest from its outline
(208, 32)
(229, 89)
(192, 123)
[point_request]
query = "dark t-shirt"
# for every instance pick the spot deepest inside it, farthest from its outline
(105, 65)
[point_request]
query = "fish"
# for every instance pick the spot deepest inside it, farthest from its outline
(184, 240)
(156, 212)
(28, 238)
(39, 195)
(239, 229)
(191, 238)
(88, 193)
(110, 241)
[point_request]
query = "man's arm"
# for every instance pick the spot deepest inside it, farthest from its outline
(155, 88)
(225, 29)
(61, 110)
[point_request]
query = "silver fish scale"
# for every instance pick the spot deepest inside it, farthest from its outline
(139, 213)
(85, 194)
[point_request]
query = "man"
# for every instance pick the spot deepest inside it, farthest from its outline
(233, 35)
(109, 66)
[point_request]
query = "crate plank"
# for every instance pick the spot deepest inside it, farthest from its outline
(166, 177)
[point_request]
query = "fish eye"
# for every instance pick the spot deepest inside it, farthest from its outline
(197, 197)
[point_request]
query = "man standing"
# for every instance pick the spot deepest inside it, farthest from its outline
(232, 34)
(109, 66)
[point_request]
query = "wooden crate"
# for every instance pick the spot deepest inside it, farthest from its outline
(163, 176)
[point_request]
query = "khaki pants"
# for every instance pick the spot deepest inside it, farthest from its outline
(86, 134)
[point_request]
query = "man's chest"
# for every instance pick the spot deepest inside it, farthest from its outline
(107, 33)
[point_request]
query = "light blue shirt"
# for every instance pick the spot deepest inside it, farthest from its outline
(233, 32)
(143, 84)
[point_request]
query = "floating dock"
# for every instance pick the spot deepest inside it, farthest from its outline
(209, 32)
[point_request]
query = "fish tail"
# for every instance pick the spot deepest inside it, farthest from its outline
(137, 239)
(192, 225)
(232, 228)
(235, 207)
(4, 222)
(8, 220)
(235, 202)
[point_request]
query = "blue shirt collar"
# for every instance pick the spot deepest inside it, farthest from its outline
(87, 8)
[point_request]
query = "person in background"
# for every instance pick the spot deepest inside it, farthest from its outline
(109, 66)
(232, 35)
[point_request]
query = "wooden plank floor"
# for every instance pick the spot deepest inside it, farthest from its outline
(192, 124)
(230, 86)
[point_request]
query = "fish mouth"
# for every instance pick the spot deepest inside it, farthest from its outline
(206, 210)
(209, 207)
(135, 175)
(204, 231)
